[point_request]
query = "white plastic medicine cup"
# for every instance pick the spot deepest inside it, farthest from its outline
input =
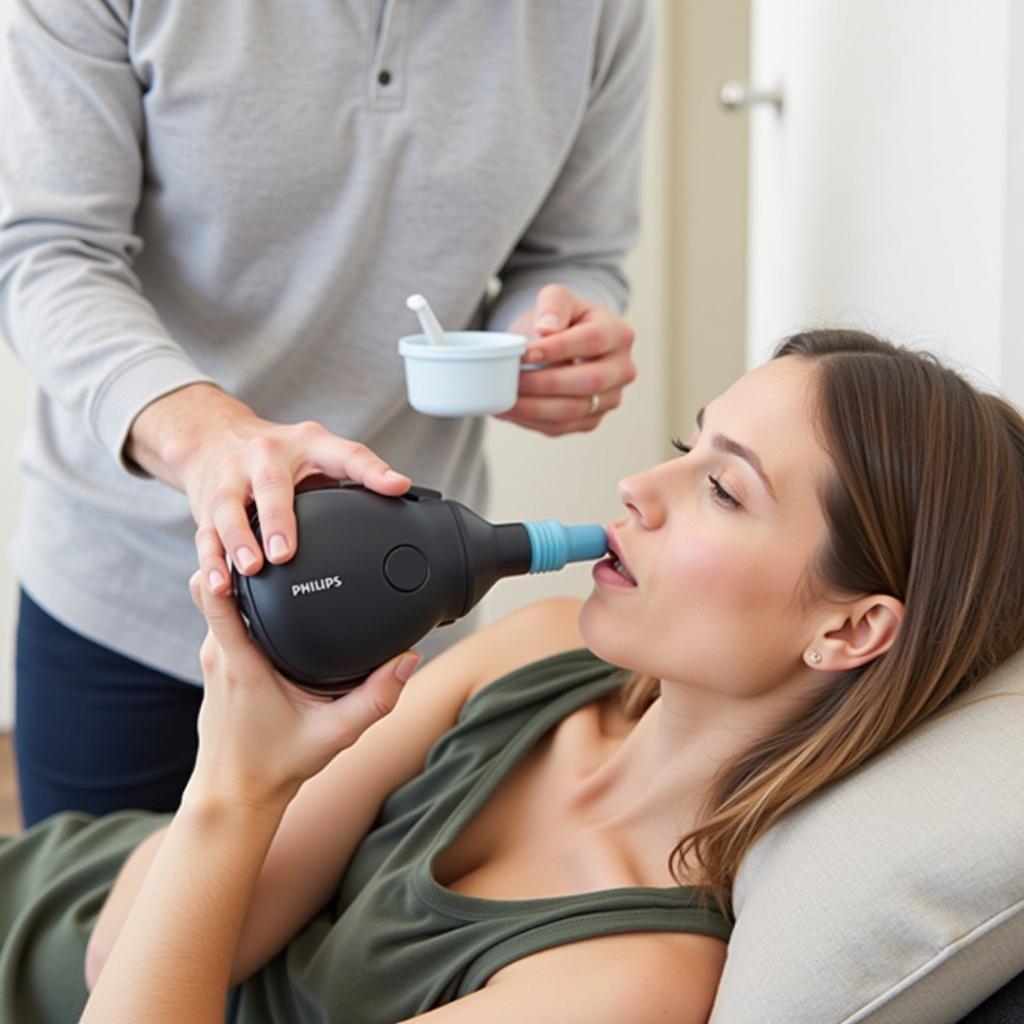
(474, 373)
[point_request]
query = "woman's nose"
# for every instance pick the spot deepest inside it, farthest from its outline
(642, 496)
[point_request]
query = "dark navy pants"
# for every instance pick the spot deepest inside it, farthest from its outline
(95, 731)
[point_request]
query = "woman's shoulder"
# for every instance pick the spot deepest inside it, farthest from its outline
(648, 976)
(639, 976)
(532, 633)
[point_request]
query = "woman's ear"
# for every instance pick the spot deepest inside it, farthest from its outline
(867, 629)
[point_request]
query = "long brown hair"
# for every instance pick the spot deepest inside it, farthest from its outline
(926, 504)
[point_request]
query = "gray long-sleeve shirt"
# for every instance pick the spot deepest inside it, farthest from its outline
(246, 193)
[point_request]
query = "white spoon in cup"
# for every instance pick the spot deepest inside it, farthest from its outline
(431, 328)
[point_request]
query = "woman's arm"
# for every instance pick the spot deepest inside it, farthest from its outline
(259, 739)
(640, 977)
(172, 959)
(335, 809)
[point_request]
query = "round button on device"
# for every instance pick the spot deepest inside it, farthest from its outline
(406, 568)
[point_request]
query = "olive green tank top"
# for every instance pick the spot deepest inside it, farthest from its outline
(392, 943)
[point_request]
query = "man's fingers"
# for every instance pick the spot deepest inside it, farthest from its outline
(557, 416)
(548, 410)
(591, 377)
(558, 409)
(554, 309)
(264, 470)
(273, 491)
(551, 429)
(591, 338)
(228, 516)
(343, 459)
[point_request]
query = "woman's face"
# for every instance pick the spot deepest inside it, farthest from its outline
(718, 541)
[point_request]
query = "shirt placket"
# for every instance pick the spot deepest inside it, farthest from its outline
(385, 87)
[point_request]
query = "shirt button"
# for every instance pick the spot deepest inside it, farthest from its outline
(384, 77)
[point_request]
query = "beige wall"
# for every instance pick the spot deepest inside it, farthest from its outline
(687, 309)
(707, 202)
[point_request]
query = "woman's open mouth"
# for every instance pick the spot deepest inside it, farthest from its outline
(610, 570)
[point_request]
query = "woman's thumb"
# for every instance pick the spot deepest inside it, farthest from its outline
(406, 665)
(377, 696)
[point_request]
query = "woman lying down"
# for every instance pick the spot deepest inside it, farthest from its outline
(547, 825)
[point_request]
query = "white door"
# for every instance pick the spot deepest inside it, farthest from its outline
(881, 195)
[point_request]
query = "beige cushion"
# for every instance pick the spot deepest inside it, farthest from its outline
(898, 894)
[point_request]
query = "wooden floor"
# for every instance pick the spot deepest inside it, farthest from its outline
(10, 820)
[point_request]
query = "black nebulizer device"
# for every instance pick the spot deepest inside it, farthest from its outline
(374, 574)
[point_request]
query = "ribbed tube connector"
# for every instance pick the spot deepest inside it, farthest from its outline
(553, 544)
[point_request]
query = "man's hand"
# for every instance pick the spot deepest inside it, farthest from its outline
(223, 456)
(588, 352)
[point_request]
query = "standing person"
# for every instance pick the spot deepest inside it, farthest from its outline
(210, 215)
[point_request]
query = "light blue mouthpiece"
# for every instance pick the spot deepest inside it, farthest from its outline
(553, 544)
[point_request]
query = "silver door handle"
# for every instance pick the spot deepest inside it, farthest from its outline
(736, 95)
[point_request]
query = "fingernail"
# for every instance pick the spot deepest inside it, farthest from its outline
(534, 355)
(407, 666)
(392, 474)
(278, 546)
(244, 558)
(216, 580)
(549, 320)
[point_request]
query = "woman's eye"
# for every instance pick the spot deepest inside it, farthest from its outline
(721, 494)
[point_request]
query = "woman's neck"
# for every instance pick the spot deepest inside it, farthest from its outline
(657, 779)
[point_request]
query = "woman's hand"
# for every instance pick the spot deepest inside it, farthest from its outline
(260, 736)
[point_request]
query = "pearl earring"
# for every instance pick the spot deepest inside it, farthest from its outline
(814, 657)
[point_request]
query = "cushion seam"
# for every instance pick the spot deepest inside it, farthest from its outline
(929, 965)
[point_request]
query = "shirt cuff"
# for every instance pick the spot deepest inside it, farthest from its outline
(125, 393)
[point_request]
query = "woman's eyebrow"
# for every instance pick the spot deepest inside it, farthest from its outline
(727, 444)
